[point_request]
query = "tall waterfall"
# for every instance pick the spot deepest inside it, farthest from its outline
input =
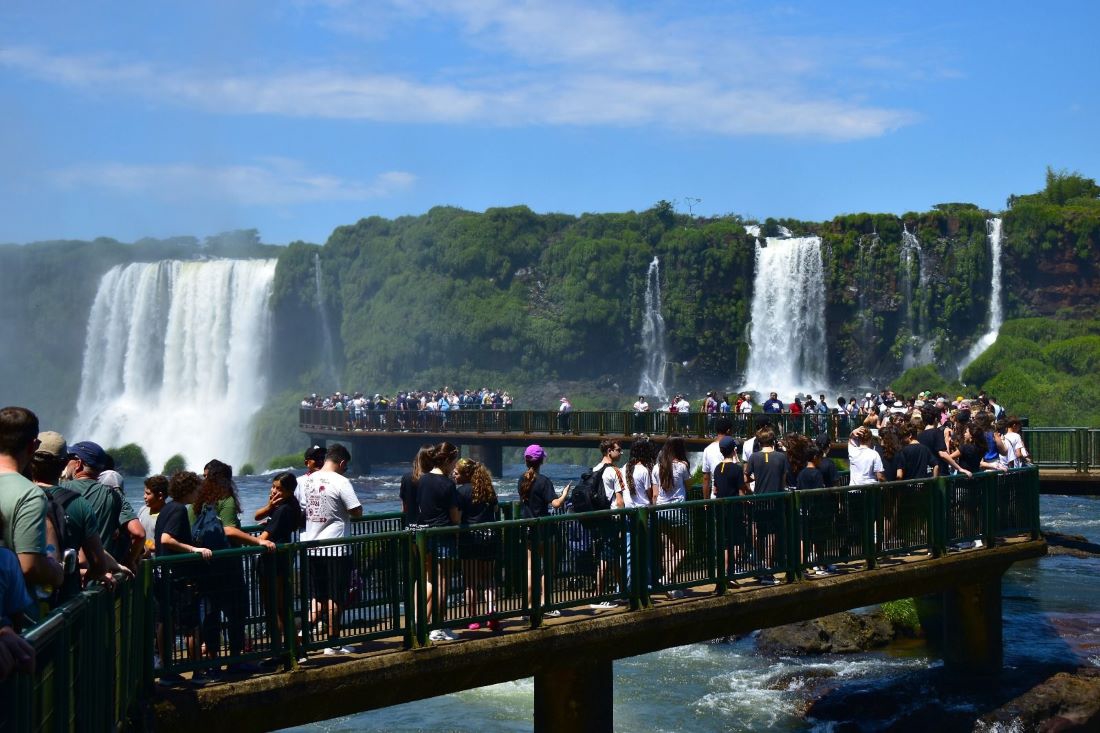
(652, 383)
(787, 352)
(995, 317)
(328, 349)
(174, 359)
(918, 349)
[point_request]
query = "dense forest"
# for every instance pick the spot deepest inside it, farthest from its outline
(545, 303)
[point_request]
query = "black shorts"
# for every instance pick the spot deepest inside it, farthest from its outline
(329, 576)
(479, 544)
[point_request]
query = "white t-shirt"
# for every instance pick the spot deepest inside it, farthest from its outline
(640, 495)
(683, 406)
(1015, 452)
(326, 498)
(641, 406)
(712, 456)
(748, 448)
(678, 492)
(863, 462)
(610, 479)
(746, 407)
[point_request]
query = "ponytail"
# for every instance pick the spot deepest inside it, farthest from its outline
(528, 479)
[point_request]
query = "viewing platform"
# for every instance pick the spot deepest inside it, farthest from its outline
(668, 575)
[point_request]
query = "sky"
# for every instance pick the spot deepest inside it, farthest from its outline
(130, 119)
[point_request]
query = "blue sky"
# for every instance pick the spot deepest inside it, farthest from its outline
(131, 119)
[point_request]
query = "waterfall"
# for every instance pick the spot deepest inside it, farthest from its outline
(918, 350)
(995, 317)
(653, 338)
(787, 352)
(174, 359)
(328, 350)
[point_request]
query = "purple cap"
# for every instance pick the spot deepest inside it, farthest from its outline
(534, 453)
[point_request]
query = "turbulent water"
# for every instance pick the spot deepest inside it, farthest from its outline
(787, 352)
(1051, 616)
(175, 358)
(652, 383)
(996, 316)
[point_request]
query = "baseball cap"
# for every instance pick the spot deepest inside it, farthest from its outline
(727, 444)
(534, 453)
(52, 444)
(112, 479)
(91, 454)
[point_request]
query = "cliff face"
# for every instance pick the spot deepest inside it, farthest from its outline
(1056, 281)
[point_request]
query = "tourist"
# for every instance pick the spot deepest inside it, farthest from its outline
(86, 461)
(22, 504)
(829, 473)
(712, 454)
(329, 503)
(667, 481)
(16, 653)
(155, 495)
(772, 405)
(437, 505)
(1015, 444)
(745, 408)
(641, 407)
(478, 549)
(538, 498)
(129, 540)
(607, 532)
(796, 447)
(864, 462)
(286, 518)
(767, 469)
(565, 414)
(889, 446)
(915, 460)
(409, 482)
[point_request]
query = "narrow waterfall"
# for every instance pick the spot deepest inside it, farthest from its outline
(328, 349)
(174, 359)
(652, 384)
(995, 317)
(787, 352)
(918, 349)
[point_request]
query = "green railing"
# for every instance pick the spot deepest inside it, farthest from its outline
(1077, 449)
(95, 653)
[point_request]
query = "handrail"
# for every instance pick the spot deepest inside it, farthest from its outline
(480, 575)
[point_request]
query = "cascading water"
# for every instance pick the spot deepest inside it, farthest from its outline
(174, 359)
(918, 349)
(787, 353)
(995, 317)
(652, 383)
(328, 349)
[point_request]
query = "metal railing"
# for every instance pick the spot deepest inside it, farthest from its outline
(1077, 449)
(395, 587)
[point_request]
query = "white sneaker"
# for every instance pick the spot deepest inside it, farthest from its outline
(978, 543)
(603, 605)
(329, 651)
(441, 635)
(552, 614)
(344, 650)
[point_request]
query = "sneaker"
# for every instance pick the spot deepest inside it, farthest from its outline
(674, 594)
(441, 635)
(555, 613)
(474, 627)
(978, 543)
(329, 651)
(493, 625)
(602, 605)
(345, 650)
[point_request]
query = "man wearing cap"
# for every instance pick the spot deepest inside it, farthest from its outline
(78, 532)
(22, 504)
(86, 461)
(565, 414)
(712, 455)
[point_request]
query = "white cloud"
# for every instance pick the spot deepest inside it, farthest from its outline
(273, 181)
(528, 63)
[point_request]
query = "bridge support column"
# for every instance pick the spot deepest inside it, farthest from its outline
(973, 629)
(490, 455)
(575, 698)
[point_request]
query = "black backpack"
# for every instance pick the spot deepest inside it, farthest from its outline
(57, 509)
(208, 530)
(589, 495)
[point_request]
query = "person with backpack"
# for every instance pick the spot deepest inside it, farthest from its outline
(605, 486)
(87, 460)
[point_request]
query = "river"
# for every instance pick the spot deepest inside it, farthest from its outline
(1051, 617)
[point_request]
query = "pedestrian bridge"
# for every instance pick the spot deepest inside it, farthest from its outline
(669, 575)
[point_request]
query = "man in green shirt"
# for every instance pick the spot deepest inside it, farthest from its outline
(86, 461)
(22, 504)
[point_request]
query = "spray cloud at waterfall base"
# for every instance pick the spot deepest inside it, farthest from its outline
(175, 359)
(652, 383)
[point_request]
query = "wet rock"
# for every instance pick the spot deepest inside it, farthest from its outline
(1064, 702)
(801, 679)
(1070, 544)
(840, 633)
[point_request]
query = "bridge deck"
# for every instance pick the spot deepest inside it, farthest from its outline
(383, 673)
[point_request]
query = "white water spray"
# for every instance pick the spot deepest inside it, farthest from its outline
(918, 350)
(653, 338)
(174, 359)
(327, 347)
(995, 317)
(787, 352)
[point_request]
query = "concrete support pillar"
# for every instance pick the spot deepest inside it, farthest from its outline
(973, 629)
(492, 455)
(576, 698)
(360, 457)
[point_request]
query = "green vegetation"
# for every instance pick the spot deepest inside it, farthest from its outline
(130, 460)
(903, 614)
(175, 464)
(289, 460)
(248, 470)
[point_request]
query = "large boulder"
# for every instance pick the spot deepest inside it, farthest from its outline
(840, 633)
(1065, 702)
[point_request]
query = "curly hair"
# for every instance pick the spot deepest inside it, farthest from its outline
(183, 484)
(641, 451)
(213, 489)
(481, 482)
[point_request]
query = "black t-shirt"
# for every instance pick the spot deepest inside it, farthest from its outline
(769, 470)
(435, 495)
(933, 440)
(970, 457)
(729, 479)
(810, 478)
(475, 513)
(916, 461)
(286, 519)
(538, 502)
(889, 465)
(172, 520)
(829, 473)
(408, 497)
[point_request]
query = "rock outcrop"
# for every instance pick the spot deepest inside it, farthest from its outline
(1065, 702)
(840, 633)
